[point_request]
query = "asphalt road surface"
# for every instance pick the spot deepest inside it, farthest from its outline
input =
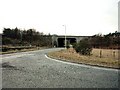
(34, 70)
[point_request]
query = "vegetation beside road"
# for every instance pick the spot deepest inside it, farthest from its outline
(17, 40)
(106, 54)
(30, 37)
(94, 59)
(15, 49)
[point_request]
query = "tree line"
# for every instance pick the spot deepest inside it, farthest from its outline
(32, 37)
(111, 40)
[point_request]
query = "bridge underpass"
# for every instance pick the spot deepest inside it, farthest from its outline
(61, 41)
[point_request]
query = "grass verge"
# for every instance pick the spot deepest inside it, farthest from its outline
(22, 50)
(71, 56)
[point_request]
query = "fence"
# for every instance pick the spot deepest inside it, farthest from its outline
(106, 53)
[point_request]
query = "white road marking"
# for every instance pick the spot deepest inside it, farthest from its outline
(81, 65)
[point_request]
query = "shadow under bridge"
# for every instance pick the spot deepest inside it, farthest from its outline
(61, 41)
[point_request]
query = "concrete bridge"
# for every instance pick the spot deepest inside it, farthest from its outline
(59, 41)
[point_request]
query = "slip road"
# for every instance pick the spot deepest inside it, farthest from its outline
(34, 70)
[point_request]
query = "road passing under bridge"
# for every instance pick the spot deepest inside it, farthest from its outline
(33, 70)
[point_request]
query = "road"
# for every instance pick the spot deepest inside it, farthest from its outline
(33, 70)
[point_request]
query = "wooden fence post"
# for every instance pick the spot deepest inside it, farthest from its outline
(114, 54)
(100, 53)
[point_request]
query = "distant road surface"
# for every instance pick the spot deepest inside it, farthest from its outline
(34, 70)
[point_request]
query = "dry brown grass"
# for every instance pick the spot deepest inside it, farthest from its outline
(70, 55)
(106, 53)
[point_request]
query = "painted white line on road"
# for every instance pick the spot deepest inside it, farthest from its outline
(87, 66)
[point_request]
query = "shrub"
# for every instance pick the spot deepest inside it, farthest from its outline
(83, 47)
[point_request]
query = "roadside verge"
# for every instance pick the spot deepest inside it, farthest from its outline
(80, 64)
(84, 60)
(22, 50)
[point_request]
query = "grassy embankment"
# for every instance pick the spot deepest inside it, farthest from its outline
(108, 59)
(12, 49)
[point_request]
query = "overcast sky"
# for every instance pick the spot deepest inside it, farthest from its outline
(81, 17)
